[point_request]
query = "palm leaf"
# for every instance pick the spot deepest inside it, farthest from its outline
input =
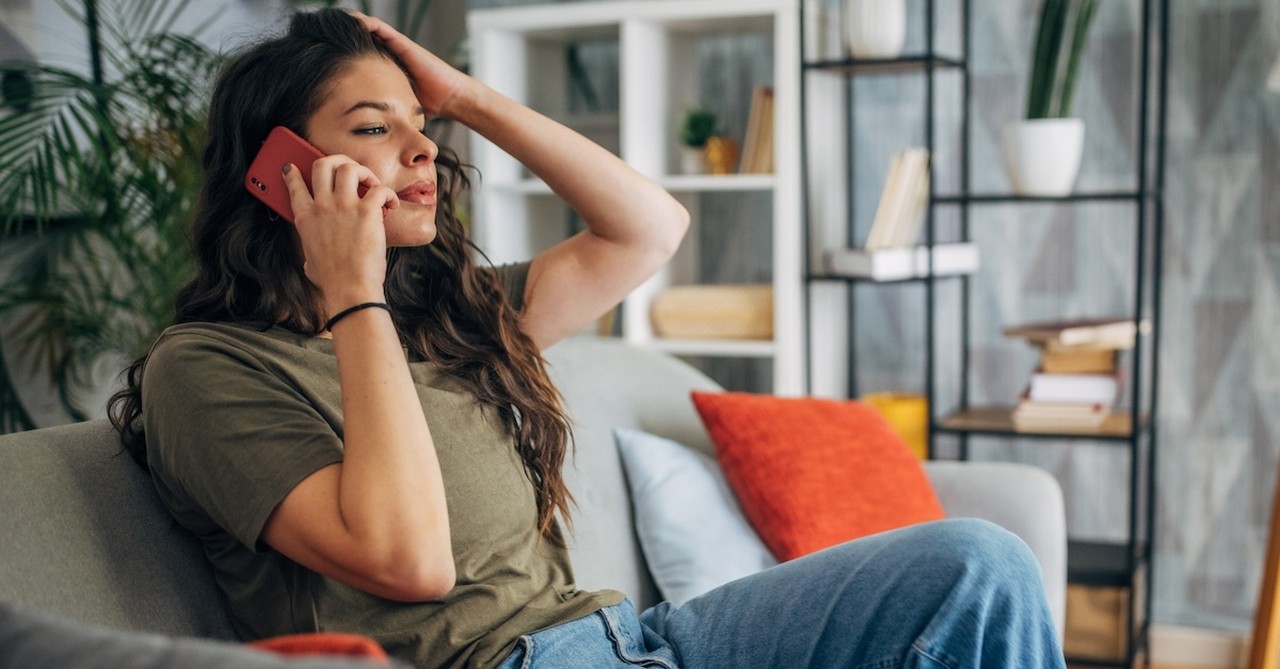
(13, 416)
(97, 183)
(43, 147)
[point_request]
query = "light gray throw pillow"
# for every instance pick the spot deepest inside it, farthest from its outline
(692, 531)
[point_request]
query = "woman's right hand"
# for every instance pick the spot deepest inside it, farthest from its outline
(343, 239)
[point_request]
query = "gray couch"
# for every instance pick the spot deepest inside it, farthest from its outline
(85, 538)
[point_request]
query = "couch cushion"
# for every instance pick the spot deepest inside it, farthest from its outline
(691, 528)
(37, 639)
(811, 473)
(85, 536)
(607, 384)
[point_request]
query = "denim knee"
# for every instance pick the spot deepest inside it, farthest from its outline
(976, 543)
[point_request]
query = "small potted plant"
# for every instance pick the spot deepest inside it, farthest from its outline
(1042, 152)
(698, 126)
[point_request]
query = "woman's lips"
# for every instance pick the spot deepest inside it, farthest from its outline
(418, 192)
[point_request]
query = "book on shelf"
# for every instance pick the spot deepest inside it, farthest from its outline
(1078, 360)
(903, 201)
(1048, 416)
(892, 264)
(1081, 334)
(1074, 388)
(757, 146)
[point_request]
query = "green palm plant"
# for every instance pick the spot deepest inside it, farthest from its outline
(98, 179)
(1053, 81)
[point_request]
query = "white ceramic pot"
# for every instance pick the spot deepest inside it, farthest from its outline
(693, 160)
(1042, 156)
(875, 28)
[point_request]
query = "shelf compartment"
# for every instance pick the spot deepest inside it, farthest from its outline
(1100, 577)
(903, 64)
(998, 421)
(1101, 564)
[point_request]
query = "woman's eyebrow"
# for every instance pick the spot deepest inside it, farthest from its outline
(381, 106)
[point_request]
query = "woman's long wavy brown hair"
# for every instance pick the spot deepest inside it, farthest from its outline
(249, 269)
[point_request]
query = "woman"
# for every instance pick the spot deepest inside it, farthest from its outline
(356, 422)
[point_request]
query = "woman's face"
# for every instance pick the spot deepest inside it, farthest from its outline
(371, 115)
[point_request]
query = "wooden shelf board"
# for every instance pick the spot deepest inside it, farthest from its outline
(999, 420)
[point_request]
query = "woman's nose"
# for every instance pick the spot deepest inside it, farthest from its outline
(422, 149)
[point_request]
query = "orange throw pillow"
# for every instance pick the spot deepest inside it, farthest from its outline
(812, 473)
(324, 644)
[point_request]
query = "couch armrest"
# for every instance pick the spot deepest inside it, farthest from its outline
(1023, 499)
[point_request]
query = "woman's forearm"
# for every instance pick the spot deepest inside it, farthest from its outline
(617, 203)
(391, 496)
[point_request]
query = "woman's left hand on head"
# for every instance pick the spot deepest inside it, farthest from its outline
(438, 83)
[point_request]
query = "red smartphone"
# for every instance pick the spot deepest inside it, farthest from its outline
(266, 182)
(264, 179)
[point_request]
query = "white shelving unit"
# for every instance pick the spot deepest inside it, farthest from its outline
(521, 53)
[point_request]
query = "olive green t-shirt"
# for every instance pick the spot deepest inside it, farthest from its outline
(235, 417)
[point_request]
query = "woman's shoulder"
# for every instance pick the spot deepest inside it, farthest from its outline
(202, 342)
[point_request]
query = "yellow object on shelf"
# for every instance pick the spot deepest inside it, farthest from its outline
(721, 154)
(908, 414)
(733, 311)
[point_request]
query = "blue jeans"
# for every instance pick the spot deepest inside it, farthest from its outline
(953, 593)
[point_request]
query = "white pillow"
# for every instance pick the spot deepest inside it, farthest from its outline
(691, 529)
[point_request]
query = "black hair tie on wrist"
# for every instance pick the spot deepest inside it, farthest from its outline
(351, 310)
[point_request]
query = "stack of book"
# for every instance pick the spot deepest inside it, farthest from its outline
(1078, 380)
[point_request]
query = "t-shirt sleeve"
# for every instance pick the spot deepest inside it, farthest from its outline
(227, 439)
(513, 277)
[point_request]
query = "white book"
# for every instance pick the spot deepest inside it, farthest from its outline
(907, 230)
(1101, 389)
(881, 234)
(894, 264)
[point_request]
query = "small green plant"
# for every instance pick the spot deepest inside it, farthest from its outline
(698, 127)
(1053, 82)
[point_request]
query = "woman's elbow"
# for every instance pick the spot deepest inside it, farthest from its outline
(678, 225)
(419, 580)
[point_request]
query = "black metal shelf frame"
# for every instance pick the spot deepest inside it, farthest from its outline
(1123, 560)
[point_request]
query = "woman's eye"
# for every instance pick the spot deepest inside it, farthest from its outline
(377, 130)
